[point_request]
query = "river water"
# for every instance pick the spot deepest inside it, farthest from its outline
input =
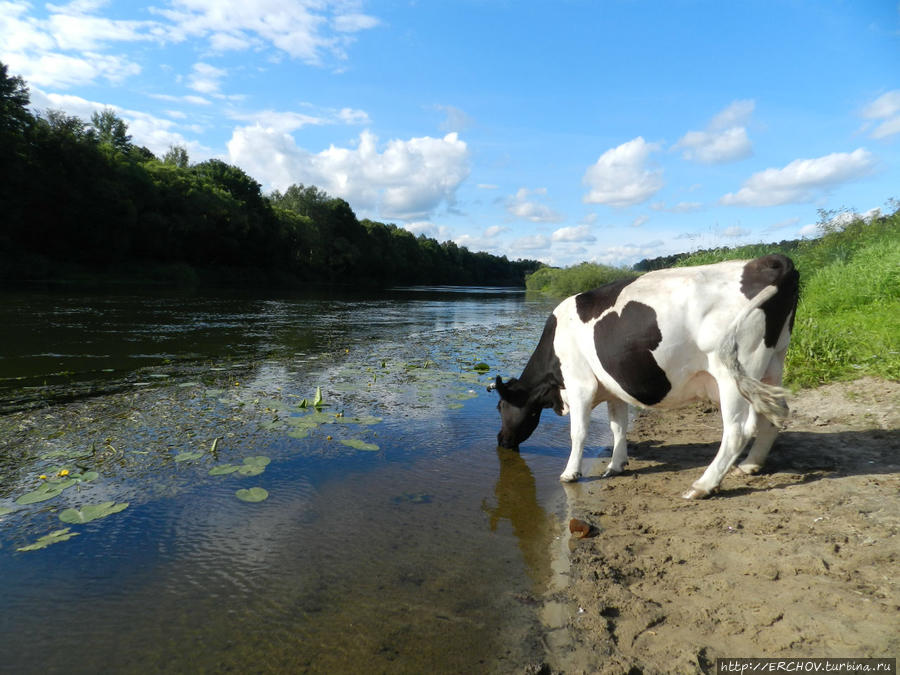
(395, 535)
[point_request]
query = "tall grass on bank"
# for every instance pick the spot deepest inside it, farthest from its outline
(562, 283)
(848, 318)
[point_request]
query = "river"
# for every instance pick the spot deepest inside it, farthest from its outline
(394, 536)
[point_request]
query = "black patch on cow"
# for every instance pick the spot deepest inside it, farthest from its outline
(542, 377)
(624, 344)
(771, 270)
(591, 304)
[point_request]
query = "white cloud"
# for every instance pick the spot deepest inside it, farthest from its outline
(406, 180)
(680, 207)
(521, 205)
(495, 231)
(735, 231)
(887, 109)
(205, 78)
(800, 180)
(455, 119)
(811, 230)
(304, 29)
(487, 186)
(725, 138)
(578, 233)
(628, 254)
(534, 242)
(640, 220)
(620, 177)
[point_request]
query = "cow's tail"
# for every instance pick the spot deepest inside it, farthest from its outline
(766, 399)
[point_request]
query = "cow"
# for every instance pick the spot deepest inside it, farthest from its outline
(662, 340)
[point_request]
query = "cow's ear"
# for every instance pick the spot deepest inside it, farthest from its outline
(500, 387)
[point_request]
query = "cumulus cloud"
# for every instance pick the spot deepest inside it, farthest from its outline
(406, 180)
(578, 233)
(205, 78)
(680, 207)
(533, 242)
(724, 139)
(886, 111)
(620, 176)
(524, 205)
(801, 180)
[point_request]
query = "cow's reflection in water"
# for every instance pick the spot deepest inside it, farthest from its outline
(517, 502)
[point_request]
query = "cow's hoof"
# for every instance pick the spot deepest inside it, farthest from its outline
(609, 473)
(570, 477)
(695, 493)
(747, 469)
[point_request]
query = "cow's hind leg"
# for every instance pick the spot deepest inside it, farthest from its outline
(618, 424)
(765, 437)
(765, 430)
(735, 433)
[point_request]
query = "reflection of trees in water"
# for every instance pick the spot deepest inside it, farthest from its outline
(517, 502)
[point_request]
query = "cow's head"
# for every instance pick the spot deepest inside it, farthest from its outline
(520, 412)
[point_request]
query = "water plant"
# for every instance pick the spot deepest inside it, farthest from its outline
(91, 512)
(254, 494)
(358, 444)
(48, 539)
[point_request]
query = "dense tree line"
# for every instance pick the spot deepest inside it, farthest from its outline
(80, 197)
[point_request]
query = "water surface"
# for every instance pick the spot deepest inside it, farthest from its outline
(431, 550)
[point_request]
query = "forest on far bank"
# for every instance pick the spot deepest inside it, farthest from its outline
(79, 200)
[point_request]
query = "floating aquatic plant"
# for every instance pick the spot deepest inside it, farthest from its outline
(360, 444)
(48, 539)
(254, 494)
(91, 512)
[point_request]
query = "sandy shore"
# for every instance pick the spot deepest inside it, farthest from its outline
(800, 560)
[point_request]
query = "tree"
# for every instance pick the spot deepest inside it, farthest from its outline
(177, 155)
(14, 115)
(111, 130)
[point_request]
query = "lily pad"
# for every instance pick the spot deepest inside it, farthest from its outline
(92, 512)
(258, 460)
(360, 445)
(52, 538)
(254, 494)
(46, 491)
(481, 367)
(5, 509)
(302, 432)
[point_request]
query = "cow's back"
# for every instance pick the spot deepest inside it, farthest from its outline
(650, 340)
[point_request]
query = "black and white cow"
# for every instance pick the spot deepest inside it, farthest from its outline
(662, 340)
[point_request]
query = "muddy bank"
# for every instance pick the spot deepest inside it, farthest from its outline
(800, 560)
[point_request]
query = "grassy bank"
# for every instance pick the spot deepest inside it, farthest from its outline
(848, 319)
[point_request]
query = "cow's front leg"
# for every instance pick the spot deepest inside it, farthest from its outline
(580, 419)
(618, 424)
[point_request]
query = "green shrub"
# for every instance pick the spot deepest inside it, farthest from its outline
(576, 279)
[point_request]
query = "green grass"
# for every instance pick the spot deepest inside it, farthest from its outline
(848, 318)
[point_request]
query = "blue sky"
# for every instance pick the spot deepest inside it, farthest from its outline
(563, 131)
